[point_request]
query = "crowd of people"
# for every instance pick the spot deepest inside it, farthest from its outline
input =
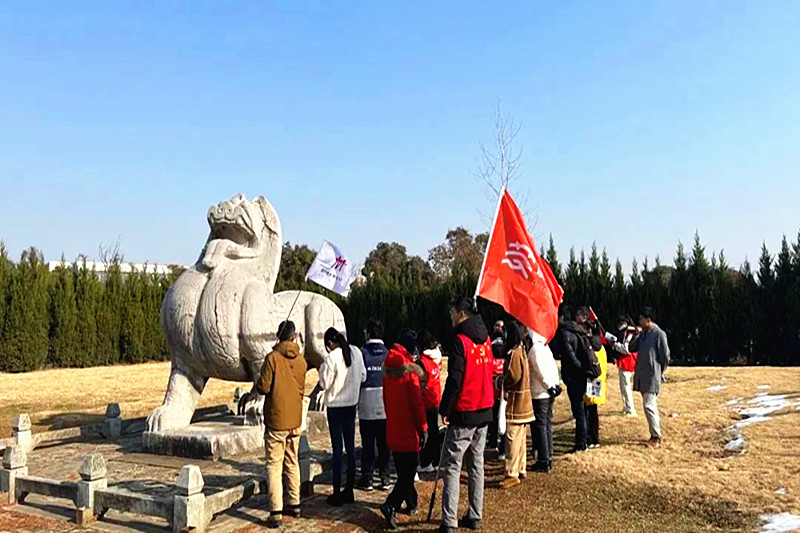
(497, 385)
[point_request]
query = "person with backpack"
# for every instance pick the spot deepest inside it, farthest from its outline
(406, 427)
(340, 376)
(431, 361)
(371, 413)
(578, 363)
(282, 382)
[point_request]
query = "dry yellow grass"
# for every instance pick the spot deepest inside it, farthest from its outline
(687, 485)
(62, 398)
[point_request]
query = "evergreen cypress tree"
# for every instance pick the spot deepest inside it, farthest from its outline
(27, 323)
(132, 329)
(552, 259)
(572, 281)
(699, 303)
(679, 308)
(764, 345)
(6, 272)
(63, 318)
(109, 316)
(594, 286)
(620, 292)
(88, 297)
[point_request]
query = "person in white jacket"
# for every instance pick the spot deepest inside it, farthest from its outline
(340, 376)
(545, 386)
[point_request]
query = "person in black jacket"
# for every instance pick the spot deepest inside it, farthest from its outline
(571, 346)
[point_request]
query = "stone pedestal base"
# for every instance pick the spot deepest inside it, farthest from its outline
(215, 440)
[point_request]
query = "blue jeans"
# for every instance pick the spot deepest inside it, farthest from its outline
(543, 429)
(342, 426)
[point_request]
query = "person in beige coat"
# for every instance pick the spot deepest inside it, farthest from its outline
(519, 406)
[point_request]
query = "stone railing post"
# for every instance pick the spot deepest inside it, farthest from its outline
(190, 502)
(112, 424)
(93, 477)
(22, 432)
(15, 464)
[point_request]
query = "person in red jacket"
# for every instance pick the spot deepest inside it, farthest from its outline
(406, 427)
(430, 359)
(625, 348)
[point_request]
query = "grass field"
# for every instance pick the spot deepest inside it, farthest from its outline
(689, 484)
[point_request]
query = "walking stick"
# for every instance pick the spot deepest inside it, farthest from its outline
(438, 474)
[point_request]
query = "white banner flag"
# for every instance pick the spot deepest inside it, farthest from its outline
(332, 270)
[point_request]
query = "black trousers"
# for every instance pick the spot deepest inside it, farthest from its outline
(543, 429)
(373, 435)
(576, 390)
(405, 463)
(342, 427)
(592, 425)
(431, 454)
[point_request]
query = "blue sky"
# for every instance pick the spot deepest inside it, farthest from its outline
(641, 122)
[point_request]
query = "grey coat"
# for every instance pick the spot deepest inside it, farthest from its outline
(652, 362)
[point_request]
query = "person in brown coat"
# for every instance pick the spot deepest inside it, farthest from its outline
(282, 382)
(519, 406)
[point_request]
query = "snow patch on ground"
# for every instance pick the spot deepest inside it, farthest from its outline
(778, 523)
(755, 411)
(717, 388)
(736, 445)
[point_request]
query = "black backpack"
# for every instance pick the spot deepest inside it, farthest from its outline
(589, 361)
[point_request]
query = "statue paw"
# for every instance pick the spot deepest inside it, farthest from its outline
(165, 418)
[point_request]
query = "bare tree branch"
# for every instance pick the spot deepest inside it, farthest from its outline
(498, 166)
(111, 254)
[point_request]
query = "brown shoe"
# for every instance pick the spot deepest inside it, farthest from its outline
(509, 482)
(654, 442)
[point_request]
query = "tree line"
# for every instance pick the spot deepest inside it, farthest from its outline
(713, 313)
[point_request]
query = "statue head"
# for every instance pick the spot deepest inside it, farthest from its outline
(243, 232)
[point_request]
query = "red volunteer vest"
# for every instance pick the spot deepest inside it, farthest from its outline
(477, 391)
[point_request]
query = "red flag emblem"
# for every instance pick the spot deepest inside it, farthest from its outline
(514, 276)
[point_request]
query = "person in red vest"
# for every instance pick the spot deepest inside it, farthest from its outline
(406, 427)
(466, 409)
(430, 359)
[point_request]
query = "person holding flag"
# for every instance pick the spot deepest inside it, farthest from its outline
(514, 276)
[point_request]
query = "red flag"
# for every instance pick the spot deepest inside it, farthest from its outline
(514, 276)
(593, 318)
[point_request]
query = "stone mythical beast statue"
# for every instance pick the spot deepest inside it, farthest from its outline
(221, 316)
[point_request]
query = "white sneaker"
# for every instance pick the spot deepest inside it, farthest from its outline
(416, 477)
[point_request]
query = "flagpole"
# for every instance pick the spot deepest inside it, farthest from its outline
(486, 254)
(290, 313)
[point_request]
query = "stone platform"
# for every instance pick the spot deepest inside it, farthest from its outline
(221, 438)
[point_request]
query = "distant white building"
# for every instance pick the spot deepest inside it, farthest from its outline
(125, 268)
